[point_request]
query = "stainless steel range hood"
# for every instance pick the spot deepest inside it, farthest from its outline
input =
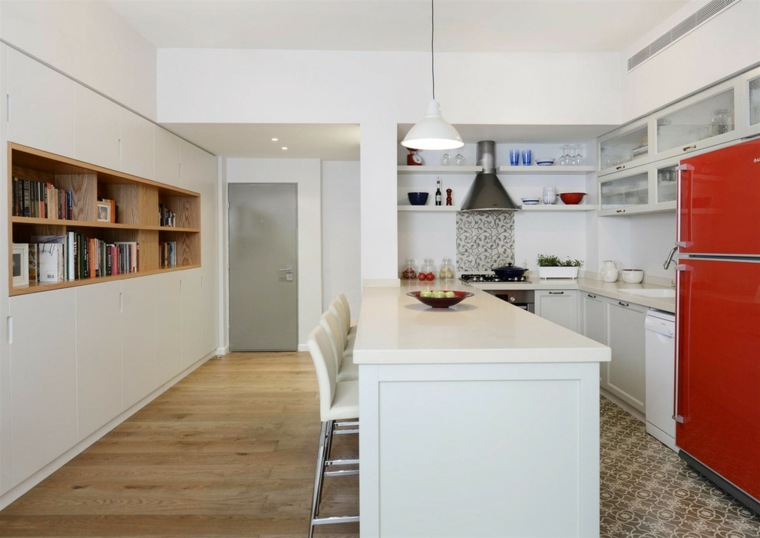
(487, 192)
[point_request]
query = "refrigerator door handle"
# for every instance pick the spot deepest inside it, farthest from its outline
(682, 241)
(681, 273)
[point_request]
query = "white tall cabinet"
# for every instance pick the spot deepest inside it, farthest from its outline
(75, 361)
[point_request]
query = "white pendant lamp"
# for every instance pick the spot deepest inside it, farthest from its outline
(433, 132)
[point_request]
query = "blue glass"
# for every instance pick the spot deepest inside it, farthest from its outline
(527, 156)
(514, 157)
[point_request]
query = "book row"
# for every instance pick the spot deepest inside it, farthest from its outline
(168, 252)
(74, 256)
(166, 217)
(41, 199)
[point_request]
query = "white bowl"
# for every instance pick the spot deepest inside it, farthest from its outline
(632, 276)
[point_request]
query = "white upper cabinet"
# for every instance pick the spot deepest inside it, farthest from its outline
(701, 121)
(624, 148)
(748, 109)
(97, 129)
(41, 106)
(168, 156)
(137, 146)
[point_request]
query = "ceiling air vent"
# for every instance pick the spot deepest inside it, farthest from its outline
(707, 12)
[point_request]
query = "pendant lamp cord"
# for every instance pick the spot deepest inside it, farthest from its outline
(432, 42)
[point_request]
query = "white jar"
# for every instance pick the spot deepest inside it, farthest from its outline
(609, 271)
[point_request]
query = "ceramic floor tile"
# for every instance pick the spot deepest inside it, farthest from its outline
(647, 491)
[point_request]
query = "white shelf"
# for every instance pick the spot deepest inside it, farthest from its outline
(546, 170)
(557, 207)
(405, 169)
(429, 208)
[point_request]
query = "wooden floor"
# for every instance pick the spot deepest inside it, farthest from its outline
(228, 451)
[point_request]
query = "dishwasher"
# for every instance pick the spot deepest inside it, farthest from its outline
(660, 376)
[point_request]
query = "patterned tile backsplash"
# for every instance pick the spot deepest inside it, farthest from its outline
(485, 239)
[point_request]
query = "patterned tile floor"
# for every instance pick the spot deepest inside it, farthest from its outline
(647, 491)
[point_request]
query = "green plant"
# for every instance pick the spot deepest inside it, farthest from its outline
(554, 261)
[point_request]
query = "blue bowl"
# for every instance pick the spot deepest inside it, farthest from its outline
(417, 198)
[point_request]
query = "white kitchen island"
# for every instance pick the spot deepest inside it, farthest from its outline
(481, 420)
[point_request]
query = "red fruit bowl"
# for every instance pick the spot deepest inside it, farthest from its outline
(572, 198)
(441, 302)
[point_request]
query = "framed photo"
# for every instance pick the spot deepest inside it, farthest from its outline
(104, 211)
(20, 264)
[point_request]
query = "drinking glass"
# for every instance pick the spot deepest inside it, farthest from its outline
(527, 157)
(514, 157)
(565, 157)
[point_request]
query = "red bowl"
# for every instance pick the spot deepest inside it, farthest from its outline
(441, 302)
(572, 198)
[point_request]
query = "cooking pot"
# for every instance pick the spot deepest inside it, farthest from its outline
(509, 271)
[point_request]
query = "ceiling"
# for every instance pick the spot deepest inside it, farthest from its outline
(378, 25)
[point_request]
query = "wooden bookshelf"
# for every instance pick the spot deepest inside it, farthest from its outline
(137, 217)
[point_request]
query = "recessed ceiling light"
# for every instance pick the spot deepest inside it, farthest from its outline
(275, 139)
(284, 148)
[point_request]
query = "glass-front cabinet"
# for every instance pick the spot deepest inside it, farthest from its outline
(624, 148)
(701, 121)
(644, 189)
(624, 192)
(753, 100)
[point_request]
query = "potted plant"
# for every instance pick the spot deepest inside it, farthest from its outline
(550, 266)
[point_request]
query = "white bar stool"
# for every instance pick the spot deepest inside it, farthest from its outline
(338, 402)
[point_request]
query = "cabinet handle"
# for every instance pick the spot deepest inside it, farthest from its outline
(556, 293)
(620, 211)
(687, 148)
(591, 296)
(621, 167)
(621, 303)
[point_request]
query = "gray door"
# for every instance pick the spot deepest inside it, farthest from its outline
(263, 260)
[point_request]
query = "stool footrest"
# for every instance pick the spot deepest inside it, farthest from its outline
(334, 519)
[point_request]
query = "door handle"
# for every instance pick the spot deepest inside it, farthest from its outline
(285, 274)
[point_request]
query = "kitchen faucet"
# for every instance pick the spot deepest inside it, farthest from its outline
(669, 259)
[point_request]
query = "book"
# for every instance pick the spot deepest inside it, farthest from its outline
(33, 263)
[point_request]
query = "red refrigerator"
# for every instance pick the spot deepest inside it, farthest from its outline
(717, 407)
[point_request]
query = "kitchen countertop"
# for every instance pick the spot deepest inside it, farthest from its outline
(397, 329)
(614, 290)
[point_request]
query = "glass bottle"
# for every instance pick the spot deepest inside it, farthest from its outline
(438, 193)
(446, 272)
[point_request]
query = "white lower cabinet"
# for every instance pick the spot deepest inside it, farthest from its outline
(626, 371)
(139, 339)
(559, 306)
(620, 325)
(98, 340)
(191, 348)
(169, 324)
(43, 382)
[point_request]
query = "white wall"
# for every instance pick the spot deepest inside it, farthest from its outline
(723, 46)
(341, 233)
(378, 91)
(306, 173)
(90, 43)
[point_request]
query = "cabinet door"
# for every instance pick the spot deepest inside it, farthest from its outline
(43, 381)
(42, 105)
(559, 306)
(753, 97)
(595, 318)
(168, 157)
(698, 122)
(192, 317)
(625, 373)
(624, 192)
(97, 129)
(99, 380)
(168, 325)
(137, 145)
(139, 334)
(625, 148)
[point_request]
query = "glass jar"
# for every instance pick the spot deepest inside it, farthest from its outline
(446, 272)
(409, 271)
(428, 269)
